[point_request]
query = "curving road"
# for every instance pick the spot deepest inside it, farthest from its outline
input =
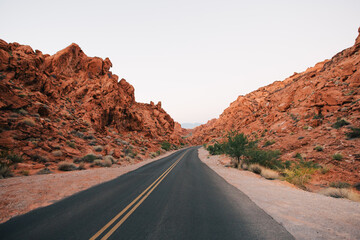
(176, 197)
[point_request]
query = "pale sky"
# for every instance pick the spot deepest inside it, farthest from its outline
(194, 56)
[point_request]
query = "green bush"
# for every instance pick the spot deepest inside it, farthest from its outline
(354, 133)
(318, 148)
(216, 149)
(337, 156)
(340, 123)
(298, 156)
(89, 158)
(268, 159)
(166, 146)
(237, 145)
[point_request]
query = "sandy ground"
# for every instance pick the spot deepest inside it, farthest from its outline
(20, 195)
(304, 214)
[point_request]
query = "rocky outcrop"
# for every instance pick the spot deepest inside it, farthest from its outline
(67, 103)
(298, 114)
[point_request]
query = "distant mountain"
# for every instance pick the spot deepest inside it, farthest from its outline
(190, 125)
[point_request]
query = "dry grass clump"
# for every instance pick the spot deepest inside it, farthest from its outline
(269, 174)
(341, 193)
(255, 168)
(66, 166)
(103, 163)
(28, 121)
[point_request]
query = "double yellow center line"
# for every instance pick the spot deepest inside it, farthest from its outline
(142, 198)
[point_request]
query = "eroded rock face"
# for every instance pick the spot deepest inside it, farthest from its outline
(69, 102)
(298, 114)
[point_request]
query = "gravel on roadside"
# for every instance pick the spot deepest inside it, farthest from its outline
(304, 214)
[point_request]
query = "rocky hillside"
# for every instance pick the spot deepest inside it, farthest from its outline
(65, 106)
(315, 113)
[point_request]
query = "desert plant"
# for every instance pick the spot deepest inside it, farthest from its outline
(269, 174)
(216, 149)
(354, 133)
(255, 168)
(318, 148)
(166, 145)
(14, 158)
(269, 142)
(44, 171)
(340, 185)
(337, 156)
(236, 146)
(340, 123)
(57, 153)
(28, 121)
(5, 170)
(66, 166)
(298, 156)
(98, 148)
(71, 144)
(324, 169)
(341, 193)
(24, 172)
(269, 158)
(89, 158)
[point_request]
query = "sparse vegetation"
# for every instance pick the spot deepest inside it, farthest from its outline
(340, 123)
(87, 158)
(71, 144)
(318, 148)
(255, 168)
(57, 153)
(44, 171)
(298, 156)
(354, 133)
(98, 148)
(28, 121)
(340, 185)
(66, 166)
(337, 156)
(269, 143)
(341, 193)
(269, 174)
(166, 146)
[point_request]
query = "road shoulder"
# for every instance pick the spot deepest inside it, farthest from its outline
(304, 214)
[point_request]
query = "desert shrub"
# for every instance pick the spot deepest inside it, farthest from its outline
(216, 149)
(337, 156)
(341, 193)
(40, 159)
(255, 168)
(71, 144)
(44, 171)
(81, 166)
(89, 158)
(28, 121)
(340, 123)
(318, 116)
(236, 146)
(66, 166)
(324, 169)
(14, 158)
(107, 163)
(354, 133)
(244, 166)
(340, 185)
(269, 174)
(298, 176)
(110, 158)
(318, 148)
(269, 158)
(98, 148)
(24, 172)
(166, 146)
(298, 156)
(269, 143)
(57, 153)
(5, 170)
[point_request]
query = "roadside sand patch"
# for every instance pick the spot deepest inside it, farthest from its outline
(19, 195)
(304, 214)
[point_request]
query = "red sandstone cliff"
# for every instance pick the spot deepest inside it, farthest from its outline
(55, 108)
(298, 113)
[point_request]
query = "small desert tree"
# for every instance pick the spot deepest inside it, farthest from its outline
(237, 146)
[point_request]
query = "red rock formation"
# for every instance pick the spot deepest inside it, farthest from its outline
(298, 114)
(57, 107)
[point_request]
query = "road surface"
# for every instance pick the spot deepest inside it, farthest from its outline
(176, 197)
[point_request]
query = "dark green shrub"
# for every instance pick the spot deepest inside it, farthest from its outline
(340, 123)
(166, 146)
(237, 145)
(298, 156)
(89, 158)
(319, 148)
(216, 149)
(337, 156)
(268, 159)
(14, 158)
(340, 185)
(354, 133)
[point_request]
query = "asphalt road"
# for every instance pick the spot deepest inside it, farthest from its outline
(176, 197)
